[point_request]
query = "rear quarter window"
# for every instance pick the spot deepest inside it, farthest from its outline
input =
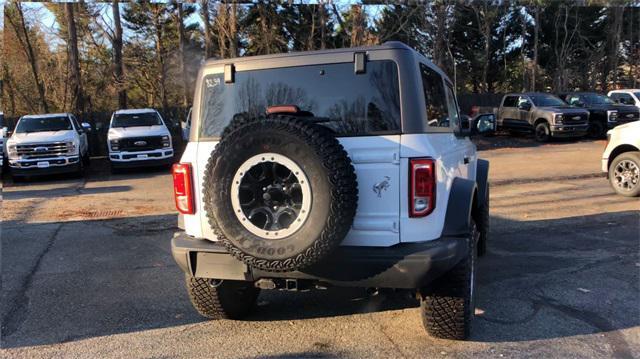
(510, 101)
(353, 104)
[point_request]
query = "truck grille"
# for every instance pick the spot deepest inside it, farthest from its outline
(133, 144)
(624, 117)
(42, 150)
(574, 119)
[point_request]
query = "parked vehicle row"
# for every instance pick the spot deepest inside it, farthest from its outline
(58, 143)
(573, 114)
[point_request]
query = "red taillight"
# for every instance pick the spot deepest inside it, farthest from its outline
(422, 186)
(183, 187)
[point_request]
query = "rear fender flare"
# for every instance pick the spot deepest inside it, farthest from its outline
(482, 181)
(459, 208)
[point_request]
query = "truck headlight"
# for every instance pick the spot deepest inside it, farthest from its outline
(12, 151)
(72, 148)
(612, 116)
(558, 119)
(166, 141)
(115, 145)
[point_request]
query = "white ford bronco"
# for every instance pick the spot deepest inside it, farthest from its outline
(348, 167)
(47, 144)
(138, 138)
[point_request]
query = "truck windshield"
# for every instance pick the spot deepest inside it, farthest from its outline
(597, 99)
(42, 124)
(136, 119)
(542, 100)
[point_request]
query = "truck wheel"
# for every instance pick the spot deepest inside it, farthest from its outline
(624, 174)
(221, 299)
(542, 132)
(448, 306)
(484, 224)
(596, 130)
(280, 192)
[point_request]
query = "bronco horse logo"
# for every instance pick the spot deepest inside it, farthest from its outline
(381, 186)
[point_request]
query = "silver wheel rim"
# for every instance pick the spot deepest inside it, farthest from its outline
(271, 196)
(626, 175)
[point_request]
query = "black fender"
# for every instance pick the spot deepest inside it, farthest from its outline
(482, 181)
(459, 207)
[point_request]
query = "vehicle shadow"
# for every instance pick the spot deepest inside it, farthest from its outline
(540, 280)
(99, 170)
(503, 139)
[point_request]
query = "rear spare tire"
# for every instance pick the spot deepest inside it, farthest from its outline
(280, 192)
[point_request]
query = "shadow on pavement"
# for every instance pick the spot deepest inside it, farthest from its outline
(540, 280)
(520, 140)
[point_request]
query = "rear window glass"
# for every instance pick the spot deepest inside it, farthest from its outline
(42, 124)
(352, 104)
(136, 119)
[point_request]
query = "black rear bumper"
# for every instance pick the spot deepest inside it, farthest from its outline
(405, 265)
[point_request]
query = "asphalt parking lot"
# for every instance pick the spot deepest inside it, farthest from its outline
(87, 272)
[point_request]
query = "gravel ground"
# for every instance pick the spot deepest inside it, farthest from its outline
(87, 272)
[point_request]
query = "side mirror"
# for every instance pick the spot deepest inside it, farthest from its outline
(5, 130)
(86, 127)
(525, 106)
(485, 124)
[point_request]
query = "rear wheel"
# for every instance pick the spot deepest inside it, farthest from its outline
(448, 305)
(624, 174)
(542, 132)
(222, 299)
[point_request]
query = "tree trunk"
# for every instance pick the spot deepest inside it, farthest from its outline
(323, 25)
(233, 30)
(118, 66)
(439, 42)
(74, 60)
(26, 44)
(208, 44)
(182, 59)
(160, 56)
(536, 29)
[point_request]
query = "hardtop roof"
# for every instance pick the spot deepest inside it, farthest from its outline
(390, 45)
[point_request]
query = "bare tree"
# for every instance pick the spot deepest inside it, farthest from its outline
(158, 24)
(486, 16)
(563, 44)
(536, 30)
(118, 66)
(20, 27)
(206, 19)
(182, 60)
(74, 60)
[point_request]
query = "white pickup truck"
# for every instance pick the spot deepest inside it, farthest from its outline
(47, 144)
(139, 138)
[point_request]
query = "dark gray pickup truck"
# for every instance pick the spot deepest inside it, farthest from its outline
(544, 114)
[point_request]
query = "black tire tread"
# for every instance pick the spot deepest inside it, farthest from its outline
(222, 302)
(343, 181)
(483, 221)
(447, 309)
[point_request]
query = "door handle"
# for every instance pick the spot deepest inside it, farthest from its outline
(466, 160)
